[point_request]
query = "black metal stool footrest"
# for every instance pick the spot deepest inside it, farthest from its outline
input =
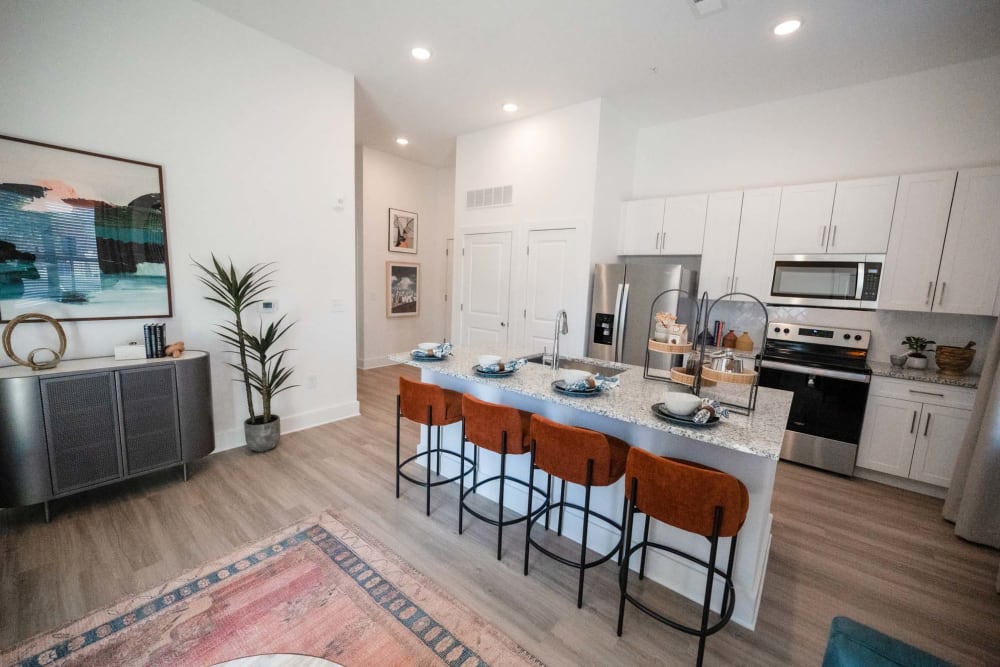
(573, 563)
(436, 450)
(492, 520)
(726, 578)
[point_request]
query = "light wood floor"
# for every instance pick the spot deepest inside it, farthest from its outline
(877, 554)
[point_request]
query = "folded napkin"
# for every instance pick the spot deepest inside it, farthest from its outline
(442, 350)
(709, 408)
(598, 382)
(504, 366)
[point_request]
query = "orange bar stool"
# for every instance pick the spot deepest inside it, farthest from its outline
(429, 405)
(692, 497)
(503, 430)
(578, 456)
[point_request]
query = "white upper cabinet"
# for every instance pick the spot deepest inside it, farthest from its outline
(918, 229)
(804, 219)
(722, 229)
(939, 262)
(758, 225)
(862, 215)
(642, 227)
(663, 226)
(846, 217)
(970, 262)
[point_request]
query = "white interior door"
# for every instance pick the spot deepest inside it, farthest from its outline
(485, 288)
(547, 288)
(449, 279)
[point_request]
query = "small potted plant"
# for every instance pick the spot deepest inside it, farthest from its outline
(261, 366)
(917, 347)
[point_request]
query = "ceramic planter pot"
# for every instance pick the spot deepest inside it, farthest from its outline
(918, 363)
(262, 437)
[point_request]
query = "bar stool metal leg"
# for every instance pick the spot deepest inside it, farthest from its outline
(531, 485)
(398, 413)
(503, 478)
(645, 541)
(586, 524)
(430, 421)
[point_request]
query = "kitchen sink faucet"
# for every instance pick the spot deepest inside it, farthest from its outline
(562, 326)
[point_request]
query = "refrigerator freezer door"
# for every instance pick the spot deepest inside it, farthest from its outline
(604, 330)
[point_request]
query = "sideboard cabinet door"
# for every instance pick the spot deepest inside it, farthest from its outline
(149, 417)
(81, 423)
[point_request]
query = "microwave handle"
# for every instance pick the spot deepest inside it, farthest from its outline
(859, 289)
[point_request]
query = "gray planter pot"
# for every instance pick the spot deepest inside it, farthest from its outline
(262, 437)
(917, 363)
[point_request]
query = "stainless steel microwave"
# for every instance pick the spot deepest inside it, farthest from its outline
(826, 281)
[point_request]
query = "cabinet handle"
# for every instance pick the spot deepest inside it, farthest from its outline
(928, 424)
(913, 422)
(833, 237)
(657, 240)
(822, 236)
(930, 286)
(728, 280)
(736, 282)
(926, 393)
(944, 286)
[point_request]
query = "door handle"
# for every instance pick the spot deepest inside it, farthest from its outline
(913, 422)
(833, 237)
(928, 424)
(926, 393)
(503, 324)
(930, 286)
(944, 286)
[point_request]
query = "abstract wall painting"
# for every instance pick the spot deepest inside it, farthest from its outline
(402, 231)
(82, 235)
(402, 297)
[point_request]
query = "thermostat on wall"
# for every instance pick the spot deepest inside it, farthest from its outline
(267, 306)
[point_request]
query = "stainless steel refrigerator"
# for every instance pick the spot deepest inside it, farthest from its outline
(623, 296)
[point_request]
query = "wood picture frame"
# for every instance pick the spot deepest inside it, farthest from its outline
(403, 231)
(402, 289)
(82, 235)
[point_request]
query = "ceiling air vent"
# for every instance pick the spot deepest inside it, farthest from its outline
(501, 195)
(706, 7)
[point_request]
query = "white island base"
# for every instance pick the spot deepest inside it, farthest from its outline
(745, 446)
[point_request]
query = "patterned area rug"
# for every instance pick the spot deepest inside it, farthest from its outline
(317, 588)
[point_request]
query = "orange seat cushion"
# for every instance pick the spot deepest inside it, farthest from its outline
(564, 451)
(485, 424)
(685, 494)
(415, 397)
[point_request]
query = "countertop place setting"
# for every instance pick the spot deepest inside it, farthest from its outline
(431, 352)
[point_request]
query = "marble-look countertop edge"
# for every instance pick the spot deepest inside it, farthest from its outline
(758, 434)
(882, 369)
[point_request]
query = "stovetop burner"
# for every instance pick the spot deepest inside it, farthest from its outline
(818, 347)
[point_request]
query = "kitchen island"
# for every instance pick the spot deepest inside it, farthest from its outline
(745, 446)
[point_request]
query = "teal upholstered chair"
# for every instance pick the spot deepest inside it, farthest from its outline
(852, 644)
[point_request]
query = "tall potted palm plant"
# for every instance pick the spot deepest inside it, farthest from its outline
(260, 363)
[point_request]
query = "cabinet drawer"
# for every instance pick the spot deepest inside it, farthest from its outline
(925, 392)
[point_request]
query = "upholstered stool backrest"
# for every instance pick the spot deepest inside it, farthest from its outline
(685, 494)
(414, 397)
(485, 424)
(564, 450)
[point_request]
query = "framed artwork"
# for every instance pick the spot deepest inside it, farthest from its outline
(402, 282)
(402, 231)
(82, 235)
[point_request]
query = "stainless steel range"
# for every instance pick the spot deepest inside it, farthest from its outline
(827, 370)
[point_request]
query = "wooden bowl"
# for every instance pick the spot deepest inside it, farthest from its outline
(953, 360)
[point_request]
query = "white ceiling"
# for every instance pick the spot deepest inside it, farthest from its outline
(546, 54)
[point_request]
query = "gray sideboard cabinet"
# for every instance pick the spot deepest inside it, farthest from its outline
(91, 422)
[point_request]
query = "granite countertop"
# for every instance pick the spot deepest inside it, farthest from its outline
(883, 369)
(758, 434)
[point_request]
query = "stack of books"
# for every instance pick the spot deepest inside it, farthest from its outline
(155, 337)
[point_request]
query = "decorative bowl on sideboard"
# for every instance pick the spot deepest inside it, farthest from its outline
(953, 360)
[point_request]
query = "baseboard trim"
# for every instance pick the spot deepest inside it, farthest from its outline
(901, 483)
(376, 362)
(233, 438)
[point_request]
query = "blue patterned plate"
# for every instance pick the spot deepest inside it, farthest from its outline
(560, 387)
(424, 357)
(497, 374)
(660, 410)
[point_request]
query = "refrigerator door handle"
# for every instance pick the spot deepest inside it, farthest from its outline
(620, 320)
(616, 323)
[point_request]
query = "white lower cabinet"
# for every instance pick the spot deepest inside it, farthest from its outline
(914, 429)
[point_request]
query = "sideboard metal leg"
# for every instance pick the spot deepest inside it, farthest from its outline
(184, 467)
(48, 517)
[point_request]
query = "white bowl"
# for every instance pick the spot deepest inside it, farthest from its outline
(488, 360)
(572, 376)
(427, 347)
(682, 404)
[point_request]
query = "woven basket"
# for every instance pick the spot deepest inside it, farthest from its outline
(953, 360)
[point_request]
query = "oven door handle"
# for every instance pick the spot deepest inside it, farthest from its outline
(822, 372)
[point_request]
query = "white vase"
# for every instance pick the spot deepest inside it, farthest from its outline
(660, 333)
(918, 363)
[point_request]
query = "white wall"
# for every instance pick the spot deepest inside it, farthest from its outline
(388, 182)
(551, 160)
(256, 141)
(946, 117)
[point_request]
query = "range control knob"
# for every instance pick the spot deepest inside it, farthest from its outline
(857, 337)
(777, 329)
(786, 329)
(847, 336)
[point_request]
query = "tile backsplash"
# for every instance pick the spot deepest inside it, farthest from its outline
(888, 327)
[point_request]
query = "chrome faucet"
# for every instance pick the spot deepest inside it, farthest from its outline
(562, 326)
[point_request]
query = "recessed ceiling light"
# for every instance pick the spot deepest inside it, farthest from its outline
(402, 141)
(787, 27)
(420, 53)
(510, 107)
